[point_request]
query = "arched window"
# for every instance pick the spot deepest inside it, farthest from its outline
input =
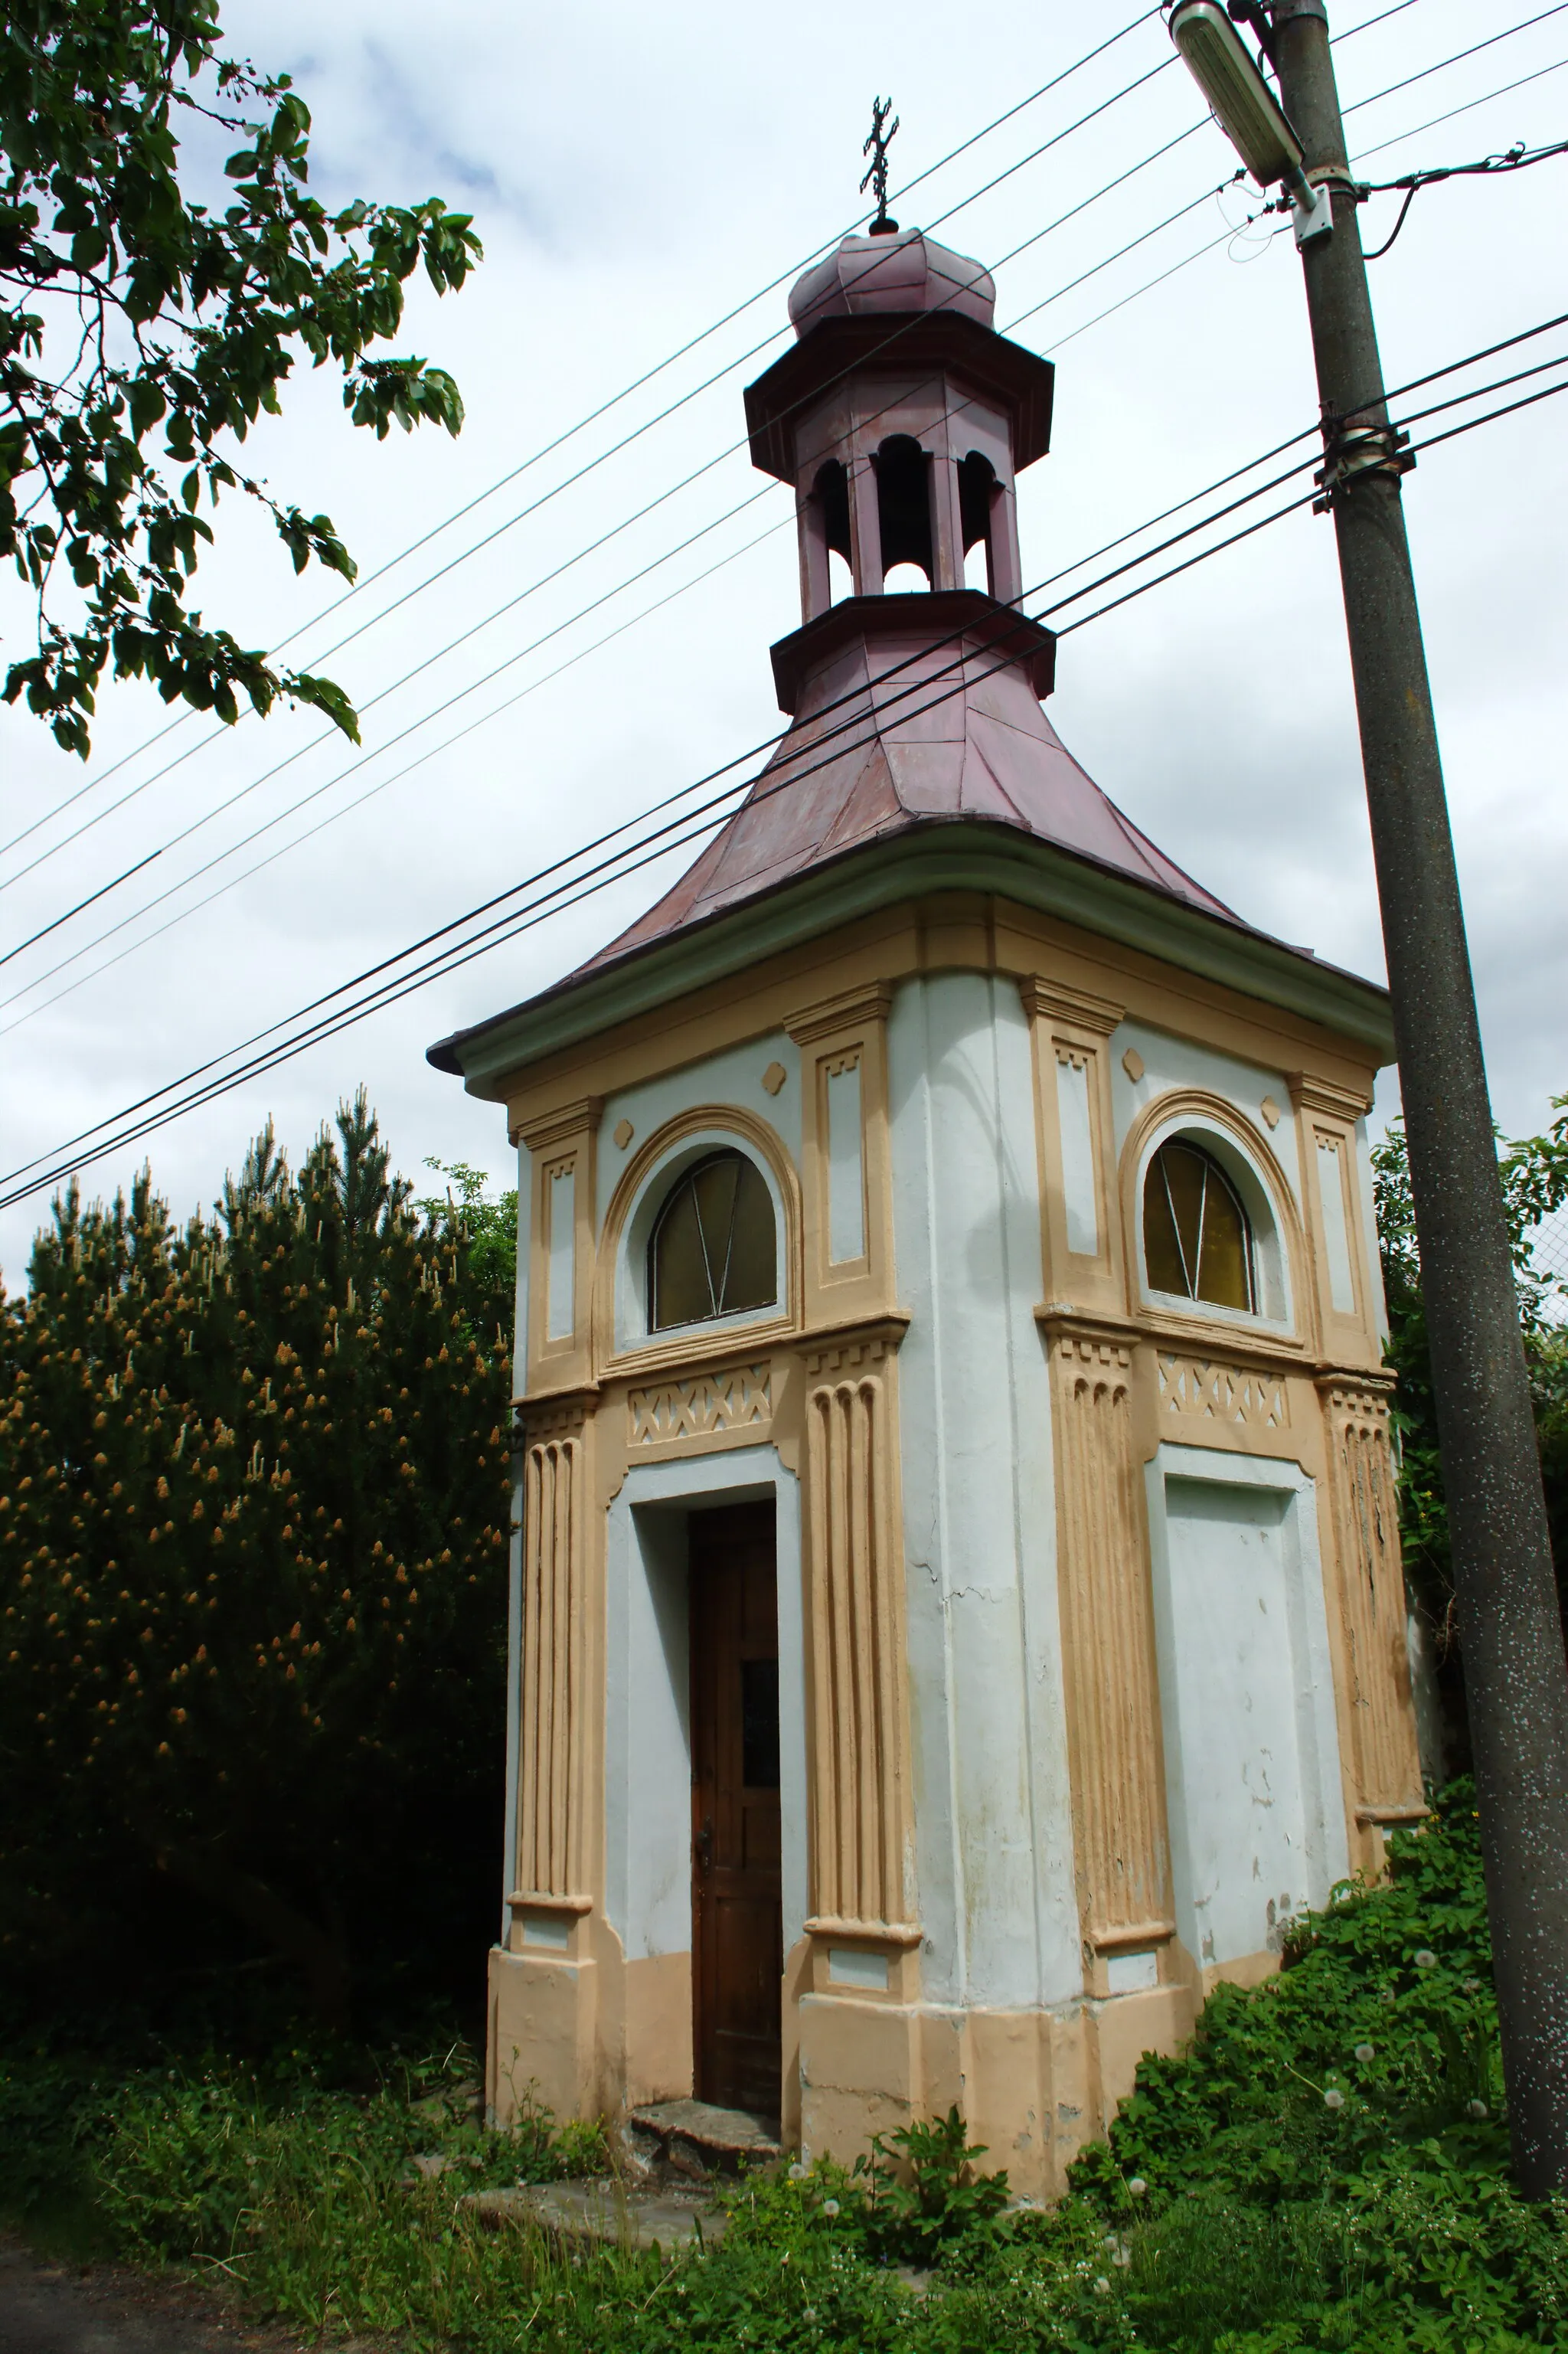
(714, 1250)
(1197, 1238)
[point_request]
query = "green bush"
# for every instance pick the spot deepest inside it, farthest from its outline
(1323, 2172)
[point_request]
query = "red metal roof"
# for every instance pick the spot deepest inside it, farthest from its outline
(902, 723)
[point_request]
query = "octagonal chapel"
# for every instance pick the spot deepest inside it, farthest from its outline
(957, 1609)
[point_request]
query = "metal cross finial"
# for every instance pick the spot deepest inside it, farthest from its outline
(877, 147)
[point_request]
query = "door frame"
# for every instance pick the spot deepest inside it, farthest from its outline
(647, 1760)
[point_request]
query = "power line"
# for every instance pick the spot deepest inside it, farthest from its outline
(435, 750)
(219, 808)
(1470, 107)
(604, 408)
(695, 823)
(1459, 55)
(233, 848)
(217, 735)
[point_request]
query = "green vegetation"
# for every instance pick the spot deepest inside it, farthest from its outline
(1534, 1170)
(254, 1495)
(1325, 2169)
(140, 328)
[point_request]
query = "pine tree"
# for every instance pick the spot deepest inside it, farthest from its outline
(253, 1503)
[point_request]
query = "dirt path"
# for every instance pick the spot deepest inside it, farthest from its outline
(49, 2308)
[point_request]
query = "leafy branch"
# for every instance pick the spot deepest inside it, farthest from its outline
(186, 322)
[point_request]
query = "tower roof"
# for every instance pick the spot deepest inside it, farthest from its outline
(918, 758)
(914, 711)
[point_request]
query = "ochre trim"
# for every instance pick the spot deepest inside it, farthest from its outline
(561, 1126)
(541, 1900)
(880, 1933)
(848, 1009)
(653, 1351)
(1177, 1103)
(1309, 1093)
(1107, 1940)
(1055, 1000)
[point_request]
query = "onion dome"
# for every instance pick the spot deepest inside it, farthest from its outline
(903, 272)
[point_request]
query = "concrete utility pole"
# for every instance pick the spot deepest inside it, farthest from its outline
(1510, 1631)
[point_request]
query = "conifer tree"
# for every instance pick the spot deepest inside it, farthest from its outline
(253, 1503)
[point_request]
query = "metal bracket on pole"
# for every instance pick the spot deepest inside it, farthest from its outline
(1351, 452)
(1311, 207)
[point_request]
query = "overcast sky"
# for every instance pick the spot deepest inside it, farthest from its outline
(636, 174)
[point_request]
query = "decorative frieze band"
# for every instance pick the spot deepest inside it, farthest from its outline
(861, 1345)
(739, 1397)
(1208, 1391)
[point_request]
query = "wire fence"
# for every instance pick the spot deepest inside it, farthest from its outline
(1549, 1254)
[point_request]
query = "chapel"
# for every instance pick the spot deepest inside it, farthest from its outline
(957, 1606)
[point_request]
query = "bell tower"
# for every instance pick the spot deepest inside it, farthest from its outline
(901, 420)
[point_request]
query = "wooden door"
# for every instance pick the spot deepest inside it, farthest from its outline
(737, 1954)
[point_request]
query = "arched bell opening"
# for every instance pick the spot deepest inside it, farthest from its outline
(977, 487)
(988, 529)
(904, 513)
(826, 557)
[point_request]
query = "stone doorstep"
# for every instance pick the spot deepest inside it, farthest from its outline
(603, 2212)
(695, 2139)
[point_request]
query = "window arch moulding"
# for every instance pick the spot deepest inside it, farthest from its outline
(1283, 1294)
(622, 1332)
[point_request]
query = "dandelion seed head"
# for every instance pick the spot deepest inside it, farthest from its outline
(1425, 1959)
(1363, 2053)
(1333, 2098)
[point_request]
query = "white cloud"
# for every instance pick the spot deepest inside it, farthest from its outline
(634, 175)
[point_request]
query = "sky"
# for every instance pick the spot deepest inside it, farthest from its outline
(636, 176)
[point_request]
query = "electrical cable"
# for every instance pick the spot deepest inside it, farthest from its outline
(234, 849)
(1459, 55)
(592, 416)
(219, 808)
(1470, 107)
(1515, 159)
(581, 887)
(624, 523)
(1449, 368)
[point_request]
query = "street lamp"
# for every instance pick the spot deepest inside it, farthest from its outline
(1511, 1627)
(1247, 110)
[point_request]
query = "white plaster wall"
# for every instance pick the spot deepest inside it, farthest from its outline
(732, 1077)
(1246, 1690)
(1175, 1063)
(648, 1770)
(992, 1792)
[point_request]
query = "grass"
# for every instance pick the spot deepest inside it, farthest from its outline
(1325, 2169)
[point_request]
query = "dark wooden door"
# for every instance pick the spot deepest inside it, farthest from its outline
(737, 1914)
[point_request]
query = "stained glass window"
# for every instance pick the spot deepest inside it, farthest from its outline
(714, 1251)
(1197, 1238)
